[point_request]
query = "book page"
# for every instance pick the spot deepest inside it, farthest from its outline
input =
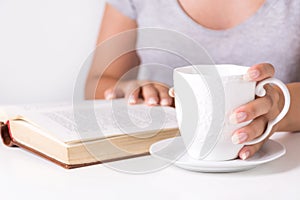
(97, 119)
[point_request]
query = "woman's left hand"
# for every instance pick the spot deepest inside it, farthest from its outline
(261, 110)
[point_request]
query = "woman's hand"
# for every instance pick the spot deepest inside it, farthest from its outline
(261, 110)
(152, 93)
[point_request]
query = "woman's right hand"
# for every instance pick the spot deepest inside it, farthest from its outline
(152, 93)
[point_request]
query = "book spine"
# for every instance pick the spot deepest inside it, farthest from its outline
(6, 134)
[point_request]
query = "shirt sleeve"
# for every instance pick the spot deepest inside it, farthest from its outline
(126, 7)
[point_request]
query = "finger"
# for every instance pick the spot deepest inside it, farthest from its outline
(260, 72)
(248, 151)
(165, 99)
(250, 132)
(134, 96)
(109, 94)
(252, 110)
(150, 95)
(130, 88)
(112, 93)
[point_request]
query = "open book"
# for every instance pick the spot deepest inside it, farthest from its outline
(88, 132)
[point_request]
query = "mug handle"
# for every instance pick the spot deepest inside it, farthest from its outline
(260, 91)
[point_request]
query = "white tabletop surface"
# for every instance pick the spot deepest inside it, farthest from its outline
(26, 176)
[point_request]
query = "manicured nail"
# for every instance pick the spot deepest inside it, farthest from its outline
(164, 102)
(245, 155)
(236, 118)
(171, 92)
(109, 96)
(132, 100)
(152, 101)
(239, 138)
(251, 75)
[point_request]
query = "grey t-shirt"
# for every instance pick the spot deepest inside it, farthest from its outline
(271, 35)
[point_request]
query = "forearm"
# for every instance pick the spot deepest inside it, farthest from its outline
(113, 56)
(291, 122)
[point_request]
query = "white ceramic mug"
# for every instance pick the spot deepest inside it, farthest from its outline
(205, 97)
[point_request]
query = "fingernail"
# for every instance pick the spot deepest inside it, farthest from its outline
(171, 92)
(164, 102)
(152, 101)
(245, 155)
(237, 117)
(239, 138)
(109, 96)
(251, 75)
(132, 100)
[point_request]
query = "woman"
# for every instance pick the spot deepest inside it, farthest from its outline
(263, 34)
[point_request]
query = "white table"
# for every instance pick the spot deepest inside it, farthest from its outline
(25, 176)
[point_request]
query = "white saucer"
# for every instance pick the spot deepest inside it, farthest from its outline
(173, 151)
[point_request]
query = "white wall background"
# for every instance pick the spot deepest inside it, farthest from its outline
(43, 44)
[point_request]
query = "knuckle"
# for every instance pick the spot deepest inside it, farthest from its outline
(147, 85)
(275, 96)
(272, 69)
(147, 88)
(162, 90)
(256, 127)
(164, 93)
(161, 87)
(253, 130)
(251, 110)
(268, 69)
(150, 94)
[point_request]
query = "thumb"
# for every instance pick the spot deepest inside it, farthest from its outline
(112, 93)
